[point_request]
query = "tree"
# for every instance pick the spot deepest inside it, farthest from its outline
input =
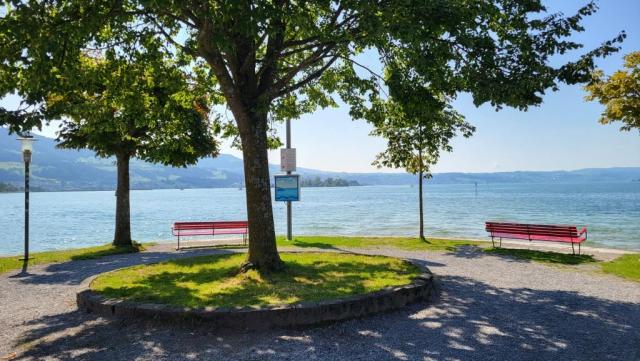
(415, 140)
(132, 108)
(278, 59)
(619, 93)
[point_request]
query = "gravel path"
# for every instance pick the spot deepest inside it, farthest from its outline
(487, 308)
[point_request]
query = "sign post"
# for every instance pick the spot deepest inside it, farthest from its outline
(288, 186)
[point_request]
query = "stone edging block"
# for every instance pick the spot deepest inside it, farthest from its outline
(299, 314)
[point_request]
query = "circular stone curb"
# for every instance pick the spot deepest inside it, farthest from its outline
(260, 317)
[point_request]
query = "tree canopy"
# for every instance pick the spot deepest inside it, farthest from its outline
(134, 107)
(279, 59)
(416, 135)
(137, 105)
(619, 93)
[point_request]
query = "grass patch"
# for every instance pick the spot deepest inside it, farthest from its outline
(213, 280)
(626, 266)
(542, 256)
(14, 262)
(407, 243)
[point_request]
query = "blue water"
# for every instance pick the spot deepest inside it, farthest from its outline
(60, 220)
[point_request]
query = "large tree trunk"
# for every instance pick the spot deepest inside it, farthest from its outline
(420, 205)
(263, 253)
(248, 96)
(122, 236)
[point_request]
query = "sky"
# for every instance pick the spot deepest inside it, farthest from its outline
(562, 133)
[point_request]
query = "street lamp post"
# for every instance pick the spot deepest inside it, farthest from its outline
(27, 150)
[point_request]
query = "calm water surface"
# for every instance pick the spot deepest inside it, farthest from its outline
(62, 220)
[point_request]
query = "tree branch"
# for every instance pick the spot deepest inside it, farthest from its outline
(316, 74)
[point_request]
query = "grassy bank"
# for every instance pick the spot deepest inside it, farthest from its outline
(627, 266)
(214, 280)
(407, 243)
(14, 262)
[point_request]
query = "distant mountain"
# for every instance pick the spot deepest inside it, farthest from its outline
(61, 169)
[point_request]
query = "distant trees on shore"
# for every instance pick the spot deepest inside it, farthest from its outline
(8, 188)
(328, 182)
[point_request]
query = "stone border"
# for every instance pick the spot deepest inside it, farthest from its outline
(299, 314)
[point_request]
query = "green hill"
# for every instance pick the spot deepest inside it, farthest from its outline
(61, 169)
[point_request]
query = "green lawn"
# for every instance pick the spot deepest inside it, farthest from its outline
(407, 243)
(214, 280)
(13, 262)
(627, 266)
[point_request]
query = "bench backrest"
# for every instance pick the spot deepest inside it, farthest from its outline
(531, 229)
(210, 225)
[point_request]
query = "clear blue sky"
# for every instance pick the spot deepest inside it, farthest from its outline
(562, 133)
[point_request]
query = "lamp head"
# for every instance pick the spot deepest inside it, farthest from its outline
(26, 142)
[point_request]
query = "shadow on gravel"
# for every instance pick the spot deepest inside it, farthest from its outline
(75, 272)
(426, 263)
(468, 320)
(520, 255)
(468, 252)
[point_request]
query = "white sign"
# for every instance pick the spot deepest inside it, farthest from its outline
(288, 159)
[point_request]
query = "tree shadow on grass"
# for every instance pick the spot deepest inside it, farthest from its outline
(76, 272)
(321, 245)
(524, 255)
(468, 320)
(116, 250)
(212, 281)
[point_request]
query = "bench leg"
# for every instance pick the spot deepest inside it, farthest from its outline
(177, 249)
(492, 243)
(500, 242)
(573, 249)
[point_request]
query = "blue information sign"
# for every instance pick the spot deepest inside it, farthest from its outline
(287, 187)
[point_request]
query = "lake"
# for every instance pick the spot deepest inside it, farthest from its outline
(61, 220)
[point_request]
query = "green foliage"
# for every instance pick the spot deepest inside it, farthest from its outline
(627, 266)
(13, 262)
(140, 106)
(407, 243)
(619, 93)
(289, 58)
(213, 280)
(542, 256)
(414, 140)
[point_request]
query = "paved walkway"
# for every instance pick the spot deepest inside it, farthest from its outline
(487, 308)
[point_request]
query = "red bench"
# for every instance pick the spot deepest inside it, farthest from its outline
(182, 229)
(537, 232)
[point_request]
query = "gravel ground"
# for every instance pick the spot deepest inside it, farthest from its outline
(486, 308)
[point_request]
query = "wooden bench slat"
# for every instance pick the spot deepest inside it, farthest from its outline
(537, 232)
(210, 228)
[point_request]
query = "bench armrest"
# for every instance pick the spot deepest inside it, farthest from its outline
(583, 231)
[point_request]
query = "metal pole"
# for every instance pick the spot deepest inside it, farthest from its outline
(26, 210)
(289, 232)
